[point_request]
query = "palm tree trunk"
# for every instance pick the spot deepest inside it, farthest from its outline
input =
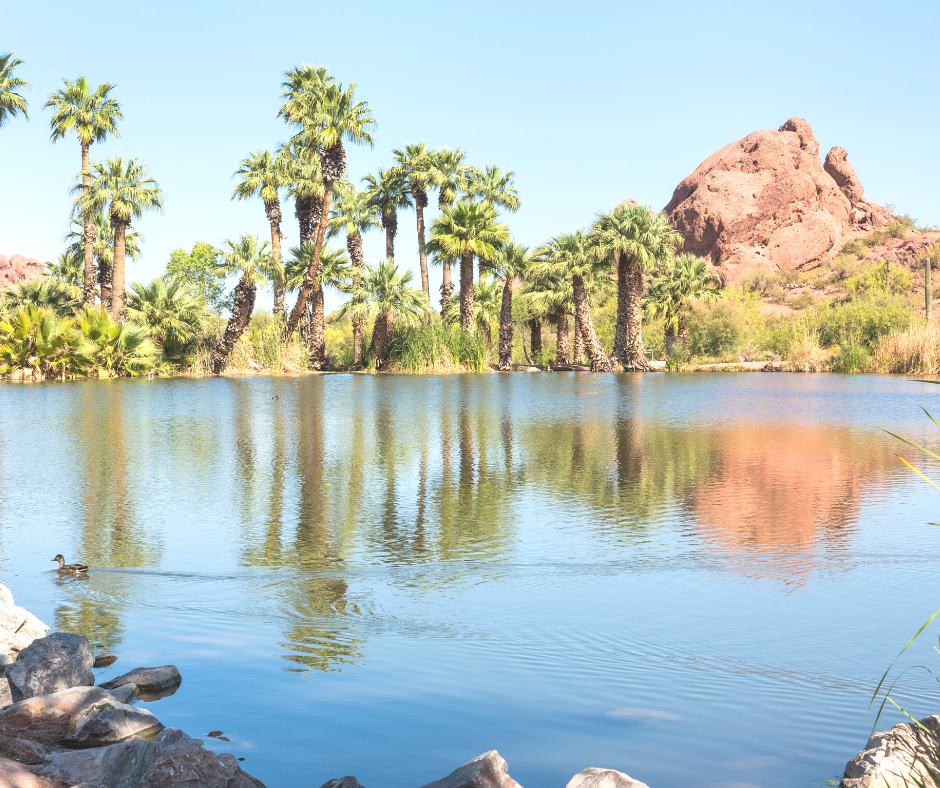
(669, 337)
(447, 290)
(380, 338)
(244, 304)
(562, 354)
(623, 306)
(88, 232)
(118, 299)
(466, 292)
(421, 201)
(273, 212)
(390, 223)
(105, 274)
(535, 339)
(313, 268)
(354, 247)
(317, 339)
(635, 357)
(578, 352)
(505, 328)
(599, 360)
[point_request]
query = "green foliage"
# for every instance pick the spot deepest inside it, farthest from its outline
(851, 358)
(11, 102)
(37, 342)
(385, 289)
(856, 248)
(197, 269)
(48, 293)
(171, 311)
(111, 348)
(721, 328)
(90, 115)
(880, 279)
(866, 319)
(69, 268)
(435, 347)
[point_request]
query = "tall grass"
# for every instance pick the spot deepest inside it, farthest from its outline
(435, 348)
(260, 349)
(915, 351)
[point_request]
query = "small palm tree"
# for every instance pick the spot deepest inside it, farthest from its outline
(11, 102)
(461, 232)
(568, 254)
(669, 295)
(388, 192)
(446, 171)
(129, 191)
(92, 116)
(171, 311)
(510, 264)
(334, 272)
(103, 249)
(263, 174)
(384, 296)
(413, 161)
(50, 294)
(248, 259)
(353, 214)
(68, 268)
(551, 294)
(110, 348)
(38, 343)
(486, 307)
(496, 187)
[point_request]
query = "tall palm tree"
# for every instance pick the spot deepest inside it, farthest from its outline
(668, 296)
(263, 174)
(510, 264)
(388, 191)
(329, 116)
(130, 192)
(568, 254)
(635, 239)
(384, 296)
(551, 294)
(413, 162)
(333, 272)
(305, 186)
(92, 116)
(463, 231)
(353, 214)
(11, 102)
(496, 187)
(248, 258)
(103, 249)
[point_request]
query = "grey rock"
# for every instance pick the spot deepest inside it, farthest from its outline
(50, 664)
(342, 782)
(67, 704)
(103, 660)
(150, 683)
(488, 770)
(18, 627)
(110, 723)
(902, 756)
(171, 739)
(197, 768)
(6, 698)
(603, 778)
(118, 766)
(15, 775)
(125, 693)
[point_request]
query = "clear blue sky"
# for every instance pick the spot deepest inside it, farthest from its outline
(588, 103)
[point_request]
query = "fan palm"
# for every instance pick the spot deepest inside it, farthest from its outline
(333, 272)
(68, 268)
(171, 311)
(384, 296)
(510, 264)
(11, 102)
(112, 348)
(248, 259)
(47, 293)
(496, 187)
(38, 342)
(130, 192)
(353, 214)
(92, 116)
(636, 240)
(486, 307)
(388, 191)
(304, 185)
(413, 162)
(461, 232)
(551, 294)
(103, 248)
(668, 296)
(568, 254)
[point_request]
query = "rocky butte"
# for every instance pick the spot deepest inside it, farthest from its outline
(17, 267)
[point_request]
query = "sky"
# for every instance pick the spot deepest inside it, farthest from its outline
(588, 103)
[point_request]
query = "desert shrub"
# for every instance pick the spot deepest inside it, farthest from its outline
(913, 351)
(872, 279)
(851, 358)
(722, 327)
(854, 248)
(803, 301)
(863, 320)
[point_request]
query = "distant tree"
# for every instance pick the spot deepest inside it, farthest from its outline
(496, 187)
(512, 262)
(413, 162)
(669, 295)
(68, 268)
(387, 192)
(197, 269)
(11, 102)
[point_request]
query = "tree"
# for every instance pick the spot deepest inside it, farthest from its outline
(248, 259)
(103, 249)
(68, 268)
(511, 263)
(496, 187)
(387, 192)
(353, 214)
(197, 269)
(333, 272)
(47, 293)
(112, 348)
(327, 115)
(413, 162)
(172, 312)
(551, 294)
(568, 254)
(130, 192)
(634, 239)
(461, 232)
(305, 186)
(687, 280)
(11, 102)
(486, 307)
(384, 296)
(263, 174)
(92, 116)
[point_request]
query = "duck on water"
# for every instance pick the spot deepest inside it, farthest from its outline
(70, 569)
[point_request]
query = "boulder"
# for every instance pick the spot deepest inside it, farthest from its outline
(15, 775)
(118, 766)
(104, 660)
(124, 694)
(342, 782)
(18, 627)
(902, 756)
(197, 768)
(839, 167)
(603, 778)
(57, 662)
(488, 770)
(48, 719)
(867, 215)
(764, 201)
(171, 739)
(21, 749)
(110, 723)
(17, 267)
(149, 683)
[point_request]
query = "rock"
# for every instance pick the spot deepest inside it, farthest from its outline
(150, 683)
(18, 627)
(603, 778)
(118, 766)
(110, 723)
(764, 201)
(197, 768)
(6, 698)
(488, 770)
(342, 782)
(103, 660)
(57, 662)
(17, 267)
(15, 775)
(171, 739)
(895, 758)
(867, 215)
(838, 166)
(48, 719)
(124, 694)
(22, 750)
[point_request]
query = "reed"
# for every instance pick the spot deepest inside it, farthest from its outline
(915, 351)
(435, 348)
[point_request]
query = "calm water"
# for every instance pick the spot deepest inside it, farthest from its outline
(694, 579)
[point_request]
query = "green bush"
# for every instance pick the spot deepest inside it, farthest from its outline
(851, 358)
(861, 321)
(435, 347)
(720, 329)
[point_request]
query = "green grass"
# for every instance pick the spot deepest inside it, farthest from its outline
(435, 348)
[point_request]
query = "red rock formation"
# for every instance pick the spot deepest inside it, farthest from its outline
(839, 167)
(17, 267)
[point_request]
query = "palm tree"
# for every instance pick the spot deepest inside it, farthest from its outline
(384, 296)
(305, 186)
(551, 294)
(11, 102)
(130, 192)
(333, 272)
(103, 249)
(512, 263)
(46, 293)
(413, 162)
(171, 311)
(388, 191)
(463, 231)
(635, 239)
(353, 214)
(486, 307)
(568, 254)
(92, 116)
(327, 114)
(263, 174)
(249, 259)
(68, 268)
(496, 187)
(668, 295)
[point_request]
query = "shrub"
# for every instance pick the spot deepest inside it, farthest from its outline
(851, 358)
(861, 320)
(435, 348)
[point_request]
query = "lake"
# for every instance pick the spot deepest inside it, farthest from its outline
(696, 579)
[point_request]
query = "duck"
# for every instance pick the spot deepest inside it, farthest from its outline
(70, 569)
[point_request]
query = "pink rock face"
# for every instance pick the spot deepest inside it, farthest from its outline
(764, 201)
(843, 173)
(17, 267)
